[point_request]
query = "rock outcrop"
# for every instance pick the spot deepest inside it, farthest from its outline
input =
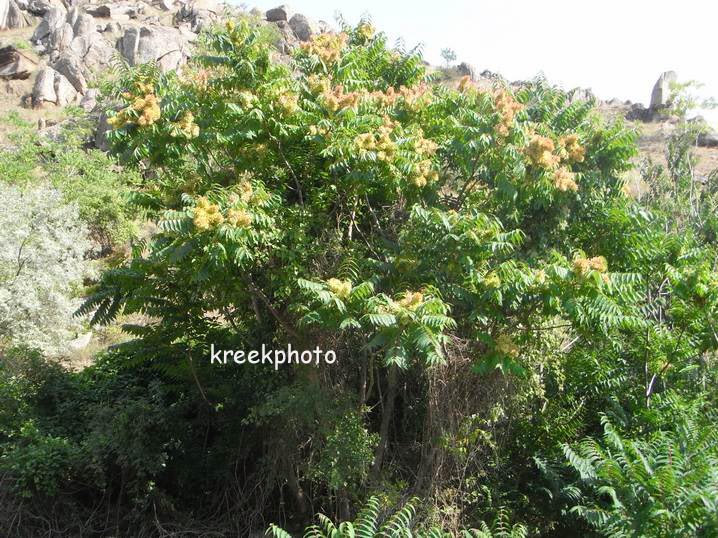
(661, 94)
(14, 64)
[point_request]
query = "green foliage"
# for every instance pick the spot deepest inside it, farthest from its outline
(660, 484)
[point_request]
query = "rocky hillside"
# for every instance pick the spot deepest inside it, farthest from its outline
(52, 51)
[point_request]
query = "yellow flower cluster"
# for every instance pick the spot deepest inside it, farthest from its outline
(411, 300)
(413, 98)
(238, 218)
(424, 146)
(366, 30)
(424, 173)
(246, 99)
(327, 46)
(575, 152)
(507, 107)
(582, 266)
(148, 108)
(380, 142)
(564, 180)
(492, 280)
(335, 98)
(318, 84)
(288, 102)
(540, 151)
(185, 127)
(206, 214)
(505, 345)
(340, 288)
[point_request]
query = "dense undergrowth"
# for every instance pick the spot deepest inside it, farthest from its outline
(523, 348)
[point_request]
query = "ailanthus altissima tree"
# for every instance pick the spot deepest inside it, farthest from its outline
(469, 253)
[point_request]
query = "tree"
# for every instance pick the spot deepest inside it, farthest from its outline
(41, 266)
(449, 56)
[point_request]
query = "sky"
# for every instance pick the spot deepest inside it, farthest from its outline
(618, 48)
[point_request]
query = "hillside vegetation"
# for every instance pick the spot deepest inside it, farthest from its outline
(524, 347)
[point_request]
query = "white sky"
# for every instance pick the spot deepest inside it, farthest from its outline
(616, 47)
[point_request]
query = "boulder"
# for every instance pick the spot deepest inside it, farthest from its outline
(53, 19)
(69, 65)
(661, 95)
(708, 139)
(14, 64)
(286, 40)
(121, 11)
(303, 27)
(12, 16)
(169, 47)
(280, 13)
(40, 7)
(166, 5)
(60, 38)
(94, 51)
(64, 91)
(44, 89)
(198, 13)
(84, 24)
(113, 27)
(89, 100)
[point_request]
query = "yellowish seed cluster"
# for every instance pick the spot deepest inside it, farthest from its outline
(575, 152)
(582, 266)
(318, 84)
(540, 151)
(564, 180)
(380, 142)
(147, 107)
(424, 146)
(507, 107)
(366, 30)
(424, 173)
(206, 214)
(288, 102)
(185, 127)
(327, 46)
(411, 300)
(505, 345)
(335, 98)
(246, 99)
(238, 218)
(492, 280)
(340, 288)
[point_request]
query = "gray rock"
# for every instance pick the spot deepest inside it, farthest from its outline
(167, 5)
(69, 65)
(39, 7)
(280, 13)
(43, 90)
(198, 13)
(94, 51)
(60, 38)
(286, 41)
(708, 139)
(113, 27)
(303, 27)
(14, 64)
(661, 95)
(84, 24)
(12, 16)
(54, 18)
(122, 10)
(89, 100)
(169, 47)
(64, 91)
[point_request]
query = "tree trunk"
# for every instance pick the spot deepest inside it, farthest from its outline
(387, 415)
